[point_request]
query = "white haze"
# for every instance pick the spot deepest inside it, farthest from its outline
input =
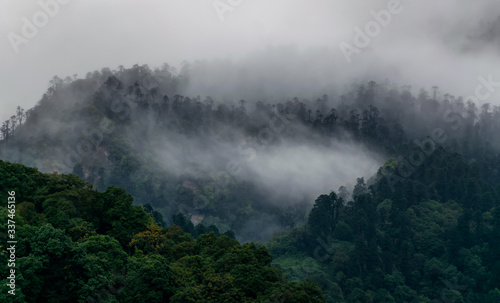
(447, 43)
(295, 171)
(289, 171)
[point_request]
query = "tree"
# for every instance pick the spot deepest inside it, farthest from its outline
(324, 215)
(360, 187)
(52, 260)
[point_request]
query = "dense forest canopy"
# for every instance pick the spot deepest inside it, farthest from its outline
(76, 244)
(433, 239)
(372, 194)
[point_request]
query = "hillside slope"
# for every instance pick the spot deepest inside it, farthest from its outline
(434, 238)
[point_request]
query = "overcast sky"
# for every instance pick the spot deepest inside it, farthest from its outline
(448, 43)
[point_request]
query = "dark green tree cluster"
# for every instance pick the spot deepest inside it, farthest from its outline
(76, 244)
(435, 237)
(187, 226)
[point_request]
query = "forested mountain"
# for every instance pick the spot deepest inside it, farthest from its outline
(435, 238)
(420, 222)
(216, 160)
(76, 244)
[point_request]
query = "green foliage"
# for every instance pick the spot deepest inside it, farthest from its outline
(324, 215)
(433, 235)
(421, 242)
(79, 245)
